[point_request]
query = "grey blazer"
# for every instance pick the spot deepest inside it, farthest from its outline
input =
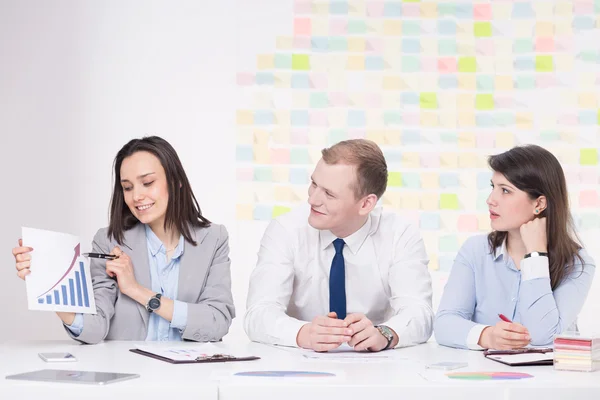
(204, 283)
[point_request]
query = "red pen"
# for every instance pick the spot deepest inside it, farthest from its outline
(503, 318)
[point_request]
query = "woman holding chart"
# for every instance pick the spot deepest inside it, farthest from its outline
(170, 277)
(528, 279)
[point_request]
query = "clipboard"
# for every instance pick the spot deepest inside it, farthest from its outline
(198, 360)
(522, 357)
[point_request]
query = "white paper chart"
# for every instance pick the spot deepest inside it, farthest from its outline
(60, 278)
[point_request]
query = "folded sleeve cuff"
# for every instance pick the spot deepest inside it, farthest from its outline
(534, 268)
(474, 336)
(180, 315)
(289, 332)
(76, 326)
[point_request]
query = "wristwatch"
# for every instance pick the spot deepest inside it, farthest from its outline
(536, 254)
(387, 333)
(153, 303)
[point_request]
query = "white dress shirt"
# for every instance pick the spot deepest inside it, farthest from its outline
(386, 278)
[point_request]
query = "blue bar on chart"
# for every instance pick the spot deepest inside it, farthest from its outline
(86, 299)
(78, 283)
(72, 292)
(64, 295)
(41, 301)
(56, 297)
(48, 299)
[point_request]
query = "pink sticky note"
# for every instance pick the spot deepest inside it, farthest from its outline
(411, 118)
(503, 102)
(467, 223)
(428, 64)
(411, 10)
(375, 8)
(245, 79)
(318, 118)
(280, 156)
(302, 42)
(564, 44)
(545, 81)
(244, 174)
(447, 65)
(485, 47)
(373, 100)
(302, 27)
(430, 160)
(338, 99)
(299, 137)
(583, 8)
(589, 177)
(302, 6)
(566, 119)
(485, 140)
(357, 134)
(482, 12)
(338, 27)
(374, 45)
(544, 44)
(318, 80)
(589, 198)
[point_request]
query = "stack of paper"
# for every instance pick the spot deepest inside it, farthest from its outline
(573, 352)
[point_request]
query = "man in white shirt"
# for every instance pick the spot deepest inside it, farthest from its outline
(341, 270)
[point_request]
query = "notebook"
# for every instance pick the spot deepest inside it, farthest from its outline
(521, 357)
(189, 355)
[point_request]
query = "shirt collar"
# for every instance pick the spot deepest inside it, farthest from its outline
(354, 241)
(156, 246)
(501, 251)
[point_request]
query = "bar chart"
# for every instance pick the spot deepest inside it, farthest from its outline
(74, 291)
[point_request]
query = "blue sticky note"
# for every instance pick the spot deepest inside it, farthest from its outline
(447, 27)
(392, 9)
(283, 61)
(411, 46)
(263, 117)
(504, 119)
(244, 153)
(448, 243)
(483, 180)
(263, 174)
(299, 117)
(524, 63)
(393, 156)
(319, 43)
(429, 221)
(448, 82)
(550, 136)
(410, 137)
(447, 47)
(356, 118)
(446, 263)
(411, 28)
(338, 7)
(338, 43)
(484, 120)
(449, 137)
(482, 197)
(449, 180)
(262, 213)
(300, 81)
(525, 82)
(588, 117)
(463, 11)
(523, 10)
(392, 117)
(410, 64)
(336, 135)
(485, 83)
(410, 98)
(523, 46)
(298, 176)
(299, 155)
(265, 78)
(581, 23)
(374, 63)
(411, 180)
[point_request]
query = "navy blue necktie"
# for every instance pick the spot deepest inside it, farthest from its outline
(337, 281)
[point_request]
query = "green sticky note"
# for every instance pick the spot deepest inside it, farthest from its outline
(392, 117)
(482, 29)
(467, 64)
(523, 46)
(448, 243)
(550, 136)
(357, 27)
(319, 100)
(484, 101)
(264, 174)
(588, 156)
(395, 179)
(428, 100)
(410, 64)
(300, 62)
(279, 210)
(283, 61)
(449, 201)
(544, 64)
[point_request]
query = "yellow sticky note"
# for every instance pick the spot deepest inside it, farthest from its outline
(411, 160)
(449, 221)
(563, 8)
(588, 157)
(467, 160)
(410, 201)
(486, 65)
(244, 117)
(392, 199)
(428, 100)
(484, 101)
(319, 26)
(263, 193)
(355, 63)
(524, 121)
(299, 193)
(465, 101)
(317, 138)
(392, 137)
(285, 42)
(392, 27)
(449, 119)
(503, 45)
(375, 27)
(394, 179)
(466, 119)
(483, 222)
(320, 8)
(434, 263)
(544, 10)
(428, 10)
(588, 100)
(467, 82)
(468, 199)
(356, 8)
(282, 194)
(564, 62)
(504, 64)
(282, 79)
(243, 136)
(314, 154)
(430, 180)
(521, 28)
(467, 180)
(393, 82)
(281, 136)
(429, 46)
(280, 210)
(356, 44)
(584, 81)
(501, 10)
(282, 117)
(505, 140)
(449, 201)
(563, 27)
(466, 47)
(244, 212)
(503, 82)
(300, 99)
(265, 61)
(466, 140)
(376, 135)
(449, 160)
(281, 174)
(429, 202)
(261, 138)
(262, 155)
(429, 119)
(390, 100)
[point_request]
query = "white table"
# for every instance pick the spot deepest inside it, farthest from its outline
(403, 378)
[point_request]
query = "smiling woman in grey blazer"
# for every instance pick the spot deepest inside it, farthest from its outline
(171, 279)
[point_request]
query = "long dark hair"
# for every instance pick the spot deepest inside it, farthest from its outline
(537, 172)
(183, 211)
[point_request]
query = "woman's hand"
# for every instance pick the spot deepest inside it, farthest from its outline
(504, 336)
(122, 269)
(533, 234)
(22, 259)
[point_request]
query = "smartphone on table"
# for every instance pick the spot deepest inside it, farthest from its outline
(57, 357)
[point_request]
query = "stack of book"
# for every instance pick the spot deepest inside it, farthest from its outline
(573, 352)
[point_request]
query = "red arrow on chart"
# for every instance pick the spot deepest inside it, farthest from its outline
(75, 257)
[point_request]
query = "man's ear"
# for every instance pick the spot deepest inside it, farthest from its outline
(368, 203)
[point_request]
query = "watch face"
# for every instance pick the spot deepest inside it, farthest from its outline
(154, 303)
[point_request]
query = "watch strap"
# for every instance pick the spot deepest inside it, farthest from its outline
(386, 333)
(536, 254)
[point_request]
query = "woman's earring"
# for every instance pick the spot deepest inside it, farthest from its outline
(537, 211)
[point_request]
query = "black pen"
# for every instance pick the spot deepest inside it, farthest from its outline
(100, 255)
